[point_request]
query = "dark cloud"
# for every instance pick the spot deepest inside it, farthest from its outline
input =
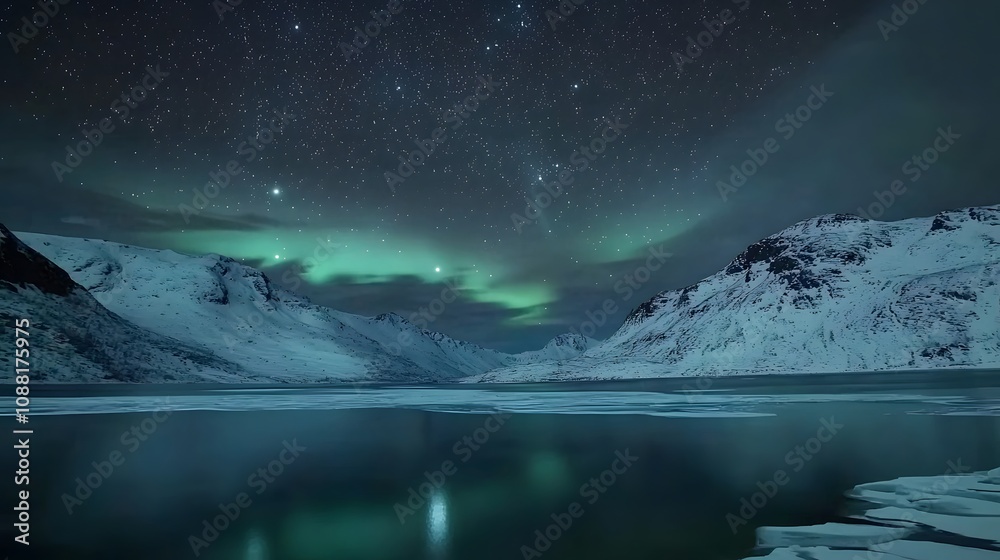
(108, 214)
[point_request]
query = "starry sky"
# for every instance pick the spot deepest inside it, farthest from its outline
(312, 203)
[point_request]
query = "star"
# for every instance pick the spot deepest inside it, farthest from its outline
(348, 143)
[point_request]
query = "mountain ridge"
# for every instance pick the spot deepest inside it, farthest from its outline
(835, 292)
(236, 314)
(831, 293)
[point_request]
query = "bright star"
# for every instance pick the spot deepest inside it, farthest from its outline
(437, 269)
(276, 191)
(296, 27)
(277, 256)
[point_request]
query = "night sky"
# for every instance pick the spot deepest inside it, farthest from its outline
(319, 179)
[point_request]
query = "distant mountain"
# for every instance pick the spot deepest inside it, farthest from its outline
(562, 347)
(239, 326)
(836, 293)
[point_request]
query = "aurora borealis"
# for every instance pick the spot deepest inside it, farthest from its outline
(312, 207)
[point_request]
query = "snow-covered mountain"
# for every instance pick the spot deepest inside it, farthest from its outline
(830, 294)
(562, 347)
(235, 318)
(72, 337)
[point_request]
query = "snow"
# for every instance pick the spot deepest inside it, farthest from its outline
(831, 534)
(232, 313)
(473, 400)
(831, 294)
(952, 516)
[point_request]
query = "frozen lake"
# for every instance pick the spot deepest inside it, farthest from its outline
(633, 469)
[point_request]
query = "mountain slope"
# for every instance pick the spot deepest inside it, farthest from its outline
(234, 312)
(73, 338)
(833, 293)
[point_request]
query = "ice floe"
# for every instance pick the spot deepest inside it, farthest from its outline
(946, 517)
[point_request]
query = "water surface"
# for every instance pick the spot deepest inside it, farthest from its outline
(497, 464)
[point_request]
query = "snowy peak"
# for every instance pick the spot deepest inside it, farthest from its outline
(810, 259)
(563, 347)
(571, 342)
(843, 276)
(234, 313)
(229, 272)
(82, 340)
(952, 220)
(828, 294)
(393, 319)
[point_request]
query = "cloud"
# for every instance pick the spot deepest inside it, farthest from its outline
(61, 213)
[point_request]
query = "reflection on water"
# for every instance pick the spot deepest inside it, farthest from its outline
(437, 524)
(698, 459)
(256, 549)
